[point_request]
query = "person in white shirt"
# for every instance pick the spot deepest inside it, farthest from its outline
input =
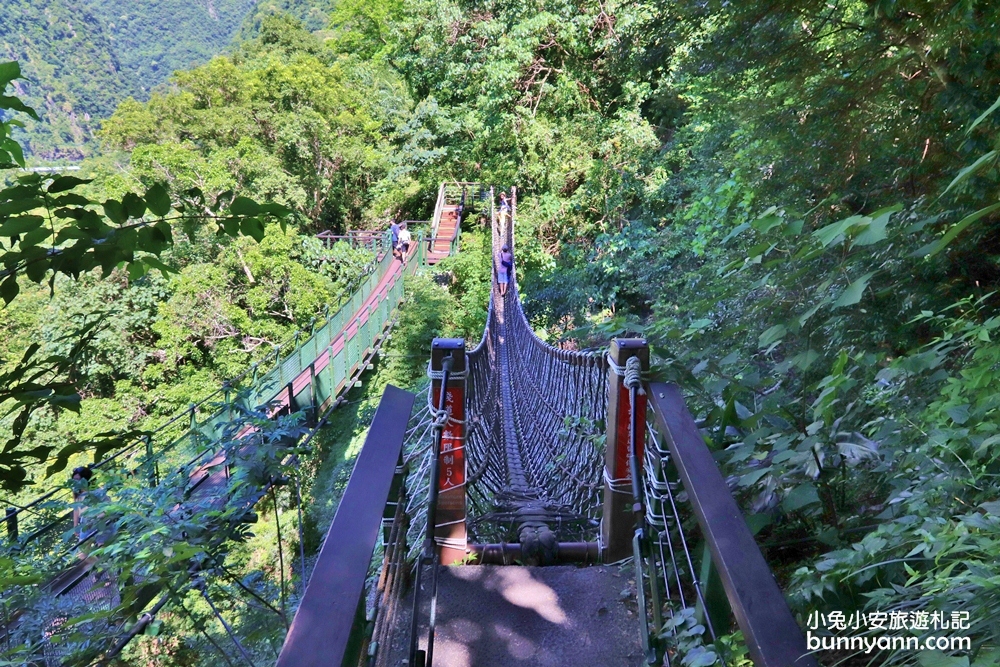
(404, 241)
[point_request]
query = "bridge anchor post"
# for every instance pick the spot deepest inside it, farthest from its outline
(618, 519)
(450, 534)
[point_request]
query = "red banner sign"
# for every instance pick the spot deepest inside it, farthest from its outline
(452, 455)
(623, 470)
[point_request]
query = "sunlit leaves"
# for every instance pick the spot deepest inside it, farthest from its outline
(79, 239)
(49, 227)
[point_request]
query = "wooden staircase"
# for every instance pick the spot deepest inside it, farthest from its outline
(447, 227)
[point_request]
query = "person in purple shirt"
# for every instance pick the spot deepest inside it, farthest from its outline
(394, 230)
(504, 268)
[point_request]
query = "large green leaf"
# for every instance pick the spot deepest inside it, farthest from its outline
(854, 291)
(736, 231)
(772, 335)
(8, 102)
(253, 228)
(20, 205)
(956, 229)
(154, 263)
(244, 206)
(134, 205)
(64, 183)
(115, 211)
(158, 200)
(983, 116)
(964, 173)
(803, 318)
(21, 225)
(875, 231)
(834, 232)
(766, 223)
(8, 72)
(799, 497)
(9, 289)
(937, 658)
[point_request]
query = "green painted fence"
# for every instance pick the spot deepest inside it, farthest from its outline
(320, 366)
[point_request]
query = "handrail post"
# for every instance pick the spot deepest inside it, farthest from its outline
(153, 474)
(450, 524)
(618, 519)
(193, 427)
(313, 393)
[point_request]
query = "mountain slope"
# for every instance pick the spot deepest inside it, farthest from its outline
(82, 58)
(73, 75)
(154, 38)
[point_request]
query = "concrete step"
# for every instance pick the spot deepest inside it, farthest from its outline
(507, 616)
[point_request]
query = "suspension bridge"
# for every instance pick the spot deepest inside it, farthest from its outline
(534, 505)
(543, 506)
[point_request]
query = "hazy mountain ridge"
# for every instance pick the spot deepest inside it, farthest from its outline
(82, 59)
(73, 76)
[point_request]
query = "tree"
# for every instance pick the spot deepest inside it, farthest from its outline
(48, 228)
(283, 116)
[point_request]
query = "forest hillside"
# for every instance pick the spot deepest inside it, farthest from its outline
(81, 59)
(797, 203)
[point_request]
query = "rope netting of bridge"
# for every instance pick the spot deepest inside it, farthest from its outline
(537, 415)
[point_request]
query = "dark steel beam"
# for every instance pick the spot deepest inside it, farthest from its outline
(772, 635)
(321, 630)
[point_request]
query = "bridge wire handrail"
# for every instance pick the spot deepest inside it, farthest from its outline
(429, 553)
(663, 517)
(234, 429)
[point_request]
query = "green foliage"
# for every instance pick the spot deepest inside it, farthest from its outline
(282, 118)
(49, 229)
(194, 33)
(782, 198)
(83, 58)
(313, 14)
(685, 636)
(795, 202)
(155, 538)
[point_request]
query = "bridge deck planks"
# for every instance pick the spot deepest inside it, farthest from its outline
(509, 616)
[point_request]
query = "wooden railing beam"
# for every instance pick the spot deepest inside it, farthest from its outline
(321, 632)
(773, 637)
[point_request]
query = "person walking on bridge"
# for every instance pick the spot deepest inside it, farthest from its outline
(404, 242)
(504, 211)
(394, 231)
(505, 266)
(80, 483)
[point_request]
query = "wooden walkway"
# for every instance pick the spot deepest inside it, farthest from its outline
(509, 616)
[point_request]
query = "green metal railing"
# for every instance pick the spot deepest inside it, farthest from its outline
(319, 366)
